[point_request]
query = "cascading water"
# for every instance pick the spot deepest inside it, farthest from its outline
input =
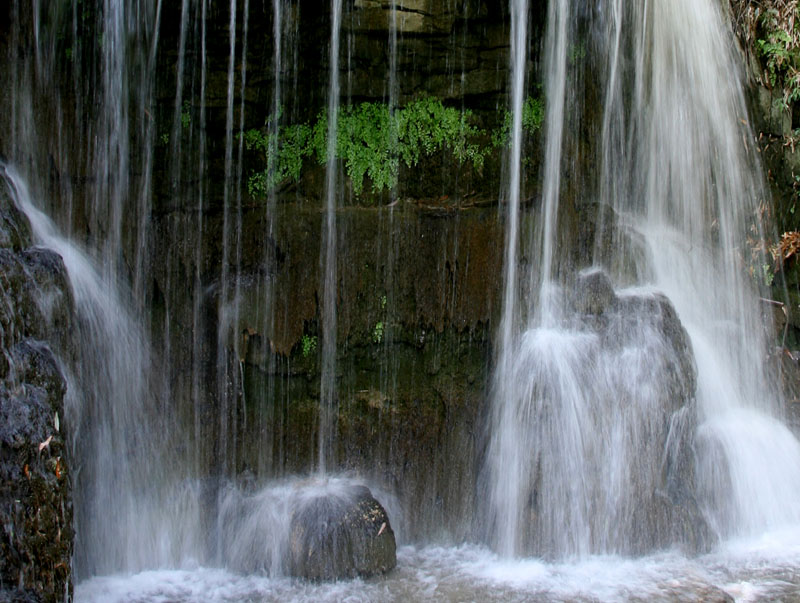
(120, 489)
(692, 189)
(590, 426)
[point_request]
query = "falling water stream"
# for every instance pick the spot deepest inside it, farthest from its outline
(635, 446)
(503, 457)
(328, 400)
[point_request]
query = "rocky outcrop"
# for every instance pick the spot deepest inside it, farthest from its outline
(774, 117)
(652, 379)
(35, 484)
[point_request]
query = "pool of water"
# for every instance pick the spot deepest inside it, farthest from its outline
(766, 568)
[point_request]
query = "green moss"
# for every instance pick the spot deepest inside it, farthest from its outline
(309, 344)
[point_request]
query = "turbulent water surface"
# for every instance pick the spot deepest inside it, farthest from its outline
(764, 569)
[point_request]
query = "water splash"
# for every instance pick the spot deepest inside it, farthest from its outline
(749, 571)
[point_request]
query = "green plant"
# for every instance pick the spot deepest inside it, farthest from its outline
(284, 158)
(768, 275)
(368, 142)
(186, 115)
(373, 140)
(308, 344)
(532, 114)
(577, 52)
(532, 120)
(377, 332)
(779, 45)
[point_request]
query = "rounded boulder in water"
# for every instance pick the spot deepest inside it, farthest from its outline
(341, 535)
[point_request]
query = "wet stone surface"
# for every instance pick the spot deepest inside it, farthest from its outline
(341, 536)
(35, 486)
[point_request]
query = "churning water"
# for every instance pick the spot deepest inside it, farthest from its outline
(760, 570)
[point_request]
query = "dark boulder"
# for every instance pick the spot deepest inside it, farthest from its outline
(35, 488)
(341, 535)
(18, 596)
(667, 504)
(615, 389)
(15, 231)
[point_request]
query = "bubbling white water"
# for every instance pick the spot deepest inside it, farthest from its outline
(763, 569)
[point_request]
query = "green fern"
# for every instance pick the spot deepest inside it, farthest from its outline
(372, 140)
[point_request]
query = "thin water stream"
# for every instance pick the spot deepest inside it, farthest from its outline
(328, 393)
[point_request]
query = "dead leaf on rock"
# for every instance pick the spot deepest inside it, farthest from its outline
(45, 444)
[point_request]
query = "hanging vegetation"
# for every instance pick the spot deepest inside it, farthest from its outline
(372, 140)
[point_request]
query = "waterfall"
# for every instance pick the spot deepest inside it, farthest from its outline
(328, 401)
(692, 189)
(631, 420)
(99, 118)
(595, 447)
(499, 495)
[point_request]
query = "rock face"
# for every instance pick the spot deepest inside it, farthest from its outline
(345, 535)
(426, 323)
(35, 486)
